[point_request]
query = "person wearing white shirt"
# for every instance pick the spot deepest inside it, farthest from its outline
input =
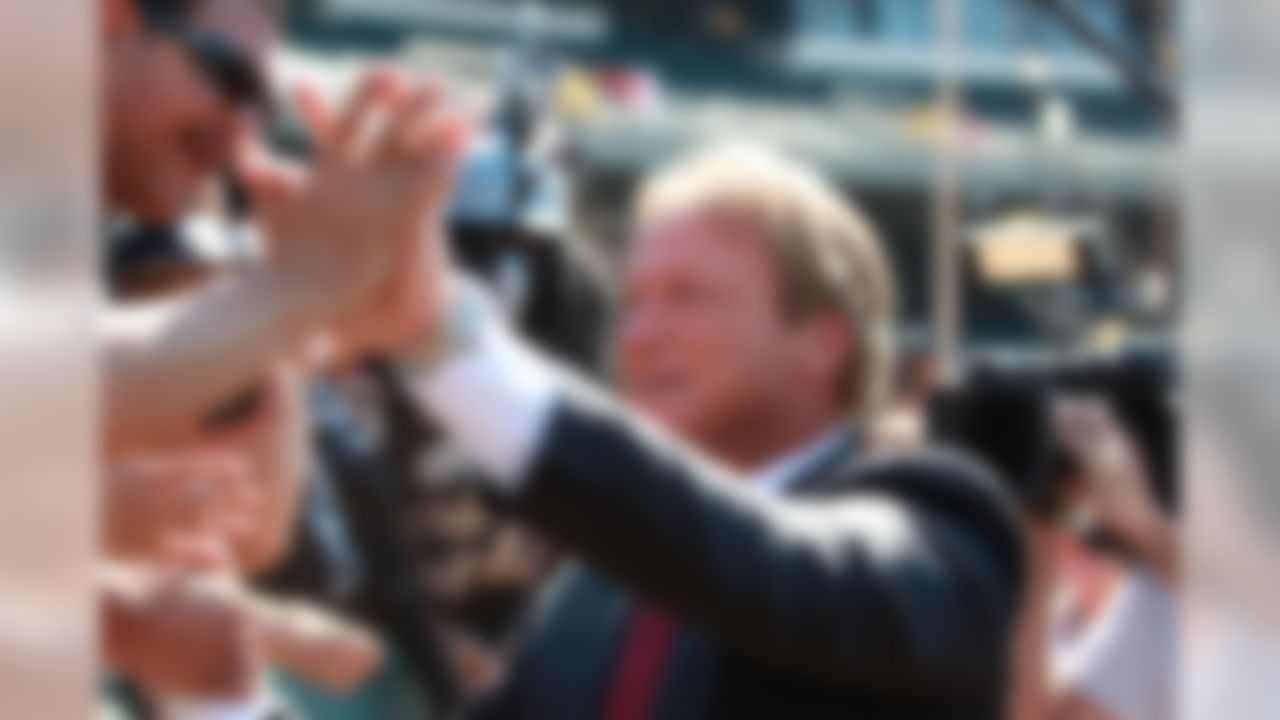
(1100, 634)
(755, 327)
(1123, 664)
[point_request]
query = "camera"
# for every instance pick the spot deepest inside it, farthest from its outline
(1002, 413)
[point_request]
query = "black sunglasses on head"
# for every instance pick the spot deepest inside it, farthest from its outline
(224, 65)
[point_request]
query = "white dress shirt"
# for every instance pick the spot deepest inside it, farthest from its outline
(494, 398)
(779, 475)
(1126, 660)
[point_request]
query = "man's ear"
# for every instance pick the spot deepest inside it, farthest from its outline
(119, 19)
(828, 343)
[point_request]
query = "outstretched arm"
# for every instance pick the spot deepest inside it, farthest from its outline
(909, 584)
(334, 233)
(169, 363)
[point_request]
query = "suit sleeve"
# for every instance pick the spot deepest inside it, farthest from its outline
(909, 584)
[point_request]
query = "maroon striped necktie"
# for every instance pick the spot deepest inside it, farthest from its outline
(644, 650)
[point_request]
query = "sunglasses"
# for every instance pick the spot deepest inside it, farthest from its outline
(227, 68)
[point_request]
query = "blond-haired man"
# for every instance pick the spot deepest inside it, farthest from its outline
(756, 305)
(770, 572)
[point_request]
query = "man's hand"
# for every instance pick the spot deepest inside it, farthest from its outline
(1116, 485)
(315, 644)
(150, 500)
(404, 309)
(178, 634)
(379, 181)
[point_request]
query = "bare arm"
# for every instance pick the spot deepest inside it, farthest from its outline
(1075, 705)
(1030, 690)
(1117, 486)
(317, 645)
(335, 231)
(169, 363)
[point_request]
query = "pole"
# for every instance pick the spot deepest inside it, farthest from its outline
(947, 297)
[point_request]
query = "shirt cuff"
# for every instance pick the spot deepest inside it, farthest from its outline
(494, 398)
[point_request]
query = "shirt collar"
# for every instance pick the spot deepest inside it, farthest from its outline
(777, 476)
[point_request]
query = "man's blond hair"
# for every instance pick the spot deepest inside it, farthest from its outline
(828, 253)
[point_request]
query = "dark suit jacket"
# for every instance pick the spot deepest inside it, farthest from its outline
(885, 589)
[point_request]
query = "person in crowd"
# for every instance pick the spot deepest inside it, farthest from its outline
(754, 323)
(322, 655)
(183, 90)
(1098, 639)
(185, 638)
(350, 548)
(1123, 664)
(291, 638)
(184, 85)
(903, 424)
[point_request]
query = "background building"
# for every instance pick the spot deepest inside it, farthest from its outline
(1057, 143)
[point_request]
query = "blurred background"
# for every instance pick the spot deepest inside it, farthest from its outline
(1063, 142)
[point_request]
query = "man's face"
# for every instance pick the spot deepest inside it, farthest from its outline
(168, 127)
(703, 343)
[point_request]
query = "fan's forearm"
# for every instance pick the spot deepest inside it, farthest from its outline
(168, 364)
